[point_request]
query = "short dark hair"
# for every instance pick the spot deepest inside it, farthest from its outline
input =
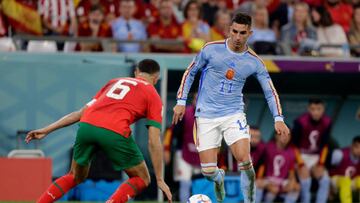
(242, 18)
(325, 17)
(316, 101)
(356, 139)
(148, 66)
(96, 7)
(127, 1)
(187, 7)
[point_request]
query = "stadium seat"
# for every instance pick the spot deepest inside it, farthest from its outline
(69, 46)
(41, 46)
(96, 190)
(7, 44)
(26, 153)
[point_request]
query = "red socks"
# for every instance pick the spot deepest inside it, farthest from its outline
(129, 189)
(57, 189)
(126, 191)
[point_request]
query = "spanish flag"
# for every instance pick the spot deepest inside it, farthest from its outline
(22, 17)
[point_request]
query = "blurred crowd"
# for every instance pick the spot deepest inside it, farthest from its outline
(290, 27)
(308, 167)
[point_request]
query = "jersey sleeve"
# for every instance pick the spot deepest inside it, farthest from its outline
(197, 64)
(154, 110)
(271, 95)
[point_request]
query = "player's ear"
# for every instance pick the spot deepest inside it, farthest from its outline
(156, 78)
(136, 72)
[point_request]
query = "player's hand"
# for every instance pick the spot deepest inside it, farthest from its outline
(282, 130)
(165, 188)
(36, 134)
(179, 111)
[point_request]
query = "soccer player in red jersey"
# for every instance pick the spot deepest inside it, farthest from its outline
(104, 123)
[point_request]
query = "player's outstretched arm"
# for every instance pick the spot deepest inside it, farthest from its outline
(69, 119)
(156, 154)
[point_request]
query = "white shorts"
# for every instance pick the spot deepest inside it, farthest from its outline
(183, 171)
(210, 131)
(310, 160)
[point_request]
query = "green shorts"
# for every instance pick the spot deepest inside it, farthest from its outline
(123, 152)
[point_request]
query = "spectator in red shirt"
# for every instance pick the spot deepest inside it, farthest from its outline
(341, 13)
(110, 8)
(151, 12)
(95, 26)
(165, 27)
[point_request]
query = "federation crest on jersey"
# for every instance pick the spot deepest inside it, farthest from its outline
(230, 73)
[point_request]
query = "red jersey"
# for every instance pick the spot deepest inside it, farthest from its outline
(84, 30)
(123, 101)
(341, 14)
(158, 29)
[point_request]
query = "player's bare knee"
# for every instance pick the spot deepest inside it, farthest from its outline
(243, 157)
(147, 180)
(245, 165)
(273, 189)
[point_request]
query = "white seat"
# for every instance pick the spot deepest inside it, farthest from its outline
(41, 46)
(7, 44)
(70, 46)
(26, 153)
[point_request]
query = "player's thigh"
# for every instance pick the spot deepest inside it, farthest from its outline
(304, 172)
(209, 155)
(122, 151)
(207, 134)
(182, 170)
(237, 136)
(334, 183)
(84, 147)
(241, 150)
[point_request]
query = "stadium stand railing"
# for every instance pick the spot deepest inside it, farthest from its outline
(277, 48)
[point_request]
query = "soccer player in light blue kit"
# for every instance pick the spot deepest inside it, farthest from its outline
(225, 65)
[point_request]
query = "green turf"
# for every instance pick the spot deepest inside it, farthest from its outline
(75, 202)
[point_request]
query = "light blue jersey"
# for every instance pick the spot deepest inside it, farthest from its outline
(223, 76)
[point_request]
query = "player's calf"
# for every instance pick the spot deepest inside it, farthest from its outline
(247, 180)
(128, 190)
(58, 188)
(213, 173)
